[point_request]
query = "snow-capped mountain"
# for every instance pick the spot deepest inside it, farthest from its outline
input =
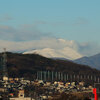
(52, 47)
(66, 52)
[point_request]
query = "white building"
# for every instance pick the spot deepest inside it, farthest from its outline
(21, 96)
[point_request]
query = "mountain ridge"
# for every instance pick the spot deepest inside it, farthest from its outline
(67, 53)
(26, 65)
(93, 61)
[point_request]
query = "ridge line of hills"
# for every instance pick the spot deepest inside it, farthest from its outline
(93, 61)
(26, 65)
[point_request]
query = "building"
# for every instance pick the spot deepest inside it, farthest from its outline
(21, 96)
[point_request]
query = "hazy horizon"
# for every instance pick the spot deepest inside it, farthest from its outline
(37, 22)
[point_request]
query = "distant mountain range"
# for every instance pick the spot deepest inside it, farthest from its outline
(68, 53)
(93, 61)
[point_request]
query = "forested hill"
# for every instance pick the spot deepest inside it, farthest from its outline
(27, 65)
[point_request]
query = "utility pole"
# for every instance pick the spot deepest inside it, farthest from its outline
(41, 75)
(52, 75)
(37, 75)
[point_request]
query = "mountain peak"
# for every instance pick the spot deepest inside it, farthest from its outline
(66, 52)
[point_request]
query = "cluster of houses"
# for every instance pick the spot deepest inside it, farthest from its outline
(11, 85)
(64, 87)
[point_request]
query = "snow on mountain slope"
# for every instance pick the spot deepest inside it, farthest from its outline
(52, 47)
(70, 53)
(66, 52)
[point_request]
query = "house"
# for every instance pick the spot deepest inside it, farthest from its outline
(21, 96)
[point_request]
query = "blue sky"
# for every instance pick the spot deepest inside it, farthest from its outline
(25, 20)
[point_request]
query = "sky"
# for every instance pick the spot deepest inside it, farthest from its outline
(27, 20)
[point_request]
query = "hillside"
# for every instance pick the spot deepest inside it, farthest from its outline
(93, 61)
(27, 65)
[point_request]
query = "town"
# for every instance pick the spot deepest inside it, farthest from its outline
(47, 85)
(21, 89)
(49, 50)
